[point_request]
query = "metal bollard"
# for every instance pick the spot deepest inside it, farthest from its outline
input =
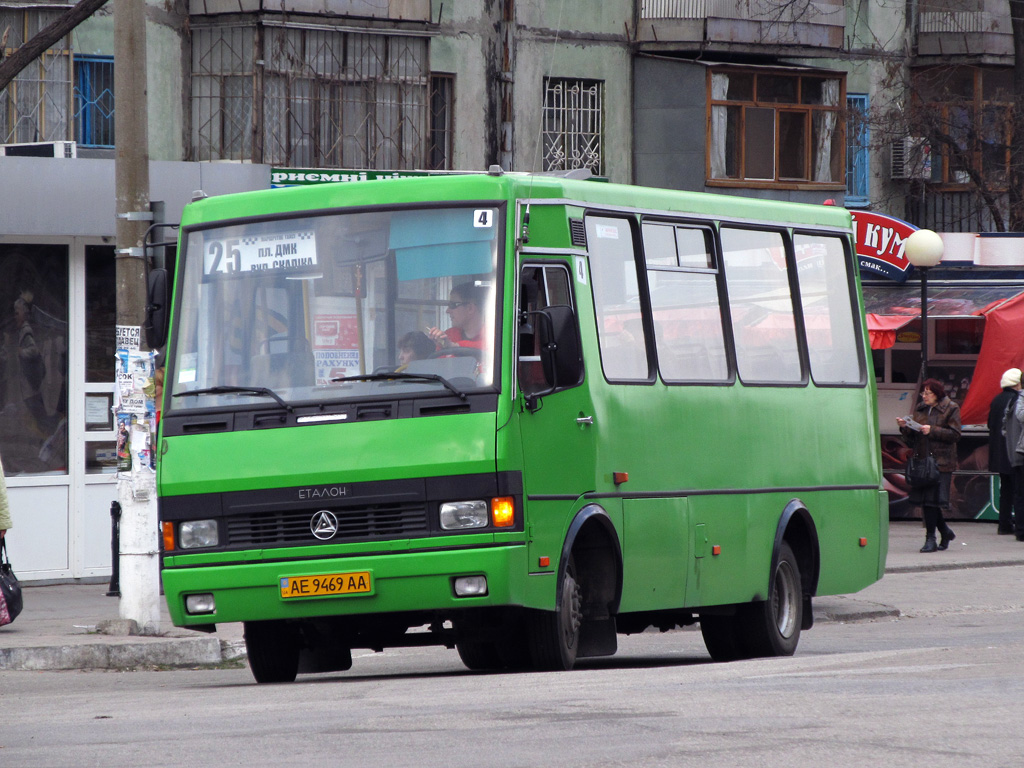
(115, 560)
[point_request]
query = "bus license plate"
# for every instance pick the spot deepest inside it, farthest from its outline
(357, 583)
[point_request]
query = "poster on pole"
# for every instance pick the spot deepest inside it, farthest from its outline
(135, 412)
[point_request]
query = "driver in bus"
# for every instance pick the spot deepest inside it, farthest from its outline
(466, 314)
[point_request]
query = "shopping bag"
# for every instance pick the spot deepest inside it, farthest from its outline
(11, 601)
(922, 471)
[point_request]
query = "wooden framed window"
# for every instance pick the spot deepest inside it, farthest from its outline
(965, 114)
(775, 128)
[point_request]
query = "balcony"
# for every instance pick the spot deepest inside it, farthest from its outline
(750, 26)
(391, 10)
(980, 32)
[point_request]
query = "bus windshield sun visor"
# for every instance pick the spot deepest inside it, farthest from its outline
(402, 375)
(231, 390)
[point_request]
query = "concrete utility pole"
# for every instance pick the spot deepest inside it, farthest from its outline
(139, 567)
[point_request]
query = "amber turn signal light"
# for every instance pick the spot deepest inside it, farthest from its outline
(503, 512)
(168, 530)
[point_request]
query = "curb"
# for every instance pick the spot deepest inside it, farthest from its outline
(953, 566)
(183, 652)
(845, 610)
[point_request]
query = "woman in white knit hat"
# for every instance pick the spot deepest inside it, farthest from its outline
(1003, 435)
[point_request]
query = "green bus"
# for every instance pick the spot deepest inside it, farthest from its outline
(515, 415)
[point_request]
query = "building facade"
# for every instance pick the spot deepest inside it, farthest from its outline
(807, 101)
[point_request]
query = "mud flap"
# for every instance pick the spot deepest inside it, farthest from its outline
(598, 638)
(808, 618)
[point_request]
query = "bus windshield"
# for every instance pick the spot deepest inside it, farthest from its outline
(321, 308)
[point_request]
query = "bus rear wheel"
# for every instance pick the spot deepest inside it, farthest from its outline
(554, 636)
(273, 649)
(773, 625)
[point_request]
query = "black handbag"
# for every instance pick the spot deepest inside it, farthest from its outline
(11, 601)
(922, 471)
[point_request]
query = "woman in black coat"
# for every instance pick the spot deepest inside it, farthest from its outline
(939, 418)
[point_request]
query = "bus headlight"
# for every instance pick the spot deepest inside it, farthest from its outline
(459, 515)
(470, 586)
(195, 604)
(196, 534)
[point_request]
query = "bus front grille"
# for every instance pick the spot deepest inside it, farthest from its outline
(381, 521)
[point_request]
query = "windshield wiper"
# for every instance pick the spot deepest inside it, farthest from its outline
(400, 375)
(230, 390)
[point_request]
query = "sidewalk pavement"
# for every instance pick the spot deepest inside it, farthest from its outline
(76, 626)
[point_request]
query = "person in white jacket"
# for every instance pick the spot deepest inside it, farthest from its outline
(5, 510)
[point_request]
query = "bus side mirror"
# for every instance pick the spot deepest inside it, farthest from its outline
(560, 347)
(157, 300)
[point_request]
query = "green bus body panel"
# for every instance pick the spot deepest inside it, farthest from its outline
(329, 453)
(655, 556)
(708, 466)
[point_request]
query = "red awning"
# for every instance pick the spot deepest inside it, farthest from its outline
(1002, 347)
(882, 329)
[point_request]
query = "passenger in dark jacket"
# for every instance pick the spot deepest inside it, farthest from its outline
(1000, 460)
(939, 418)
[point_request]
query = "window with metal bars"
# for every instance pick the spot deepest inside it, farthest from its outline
(857, 150)
(35, 106)
(94, 101)
(439, 153)
(317, 97)
(573, 124)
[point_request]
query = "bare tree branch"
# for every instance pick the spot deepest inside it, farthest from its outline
(31, 50)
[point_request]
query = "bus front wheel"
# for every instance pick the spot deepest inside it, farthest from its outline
(273, 649)
(774, 624)
(554, 636)
(722, 637)
(478, 655)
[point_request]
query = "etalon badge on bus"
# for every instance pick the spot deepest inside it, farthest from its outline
(324, 524)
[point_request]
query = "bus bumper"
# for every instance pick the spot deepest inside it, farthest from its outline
(399, 583)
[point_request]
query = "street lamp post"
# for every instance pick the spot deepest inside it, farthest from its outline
(923, 249)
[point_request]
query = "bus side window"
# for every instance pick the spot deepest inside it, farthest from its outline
(540, 286)
(829, 310)
(617, 300)
(682, 279)
(761, 306)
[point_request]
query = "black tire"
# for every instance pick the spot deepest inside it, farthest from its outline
(273, 650)
(553, 637)
(772, 627)
(722, 637)
(479, 655)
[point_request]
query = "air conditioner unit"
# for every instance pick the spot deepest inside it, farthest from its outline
(40, 149)
(911, 158)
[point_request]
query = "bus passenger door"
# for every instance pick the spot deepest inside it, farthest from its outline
(558, 436)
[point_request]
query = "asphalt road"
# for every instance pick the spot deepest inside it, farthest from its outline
(941, 685)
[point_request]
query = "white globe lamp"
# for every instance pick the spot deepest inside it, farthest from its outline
(923, 249)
